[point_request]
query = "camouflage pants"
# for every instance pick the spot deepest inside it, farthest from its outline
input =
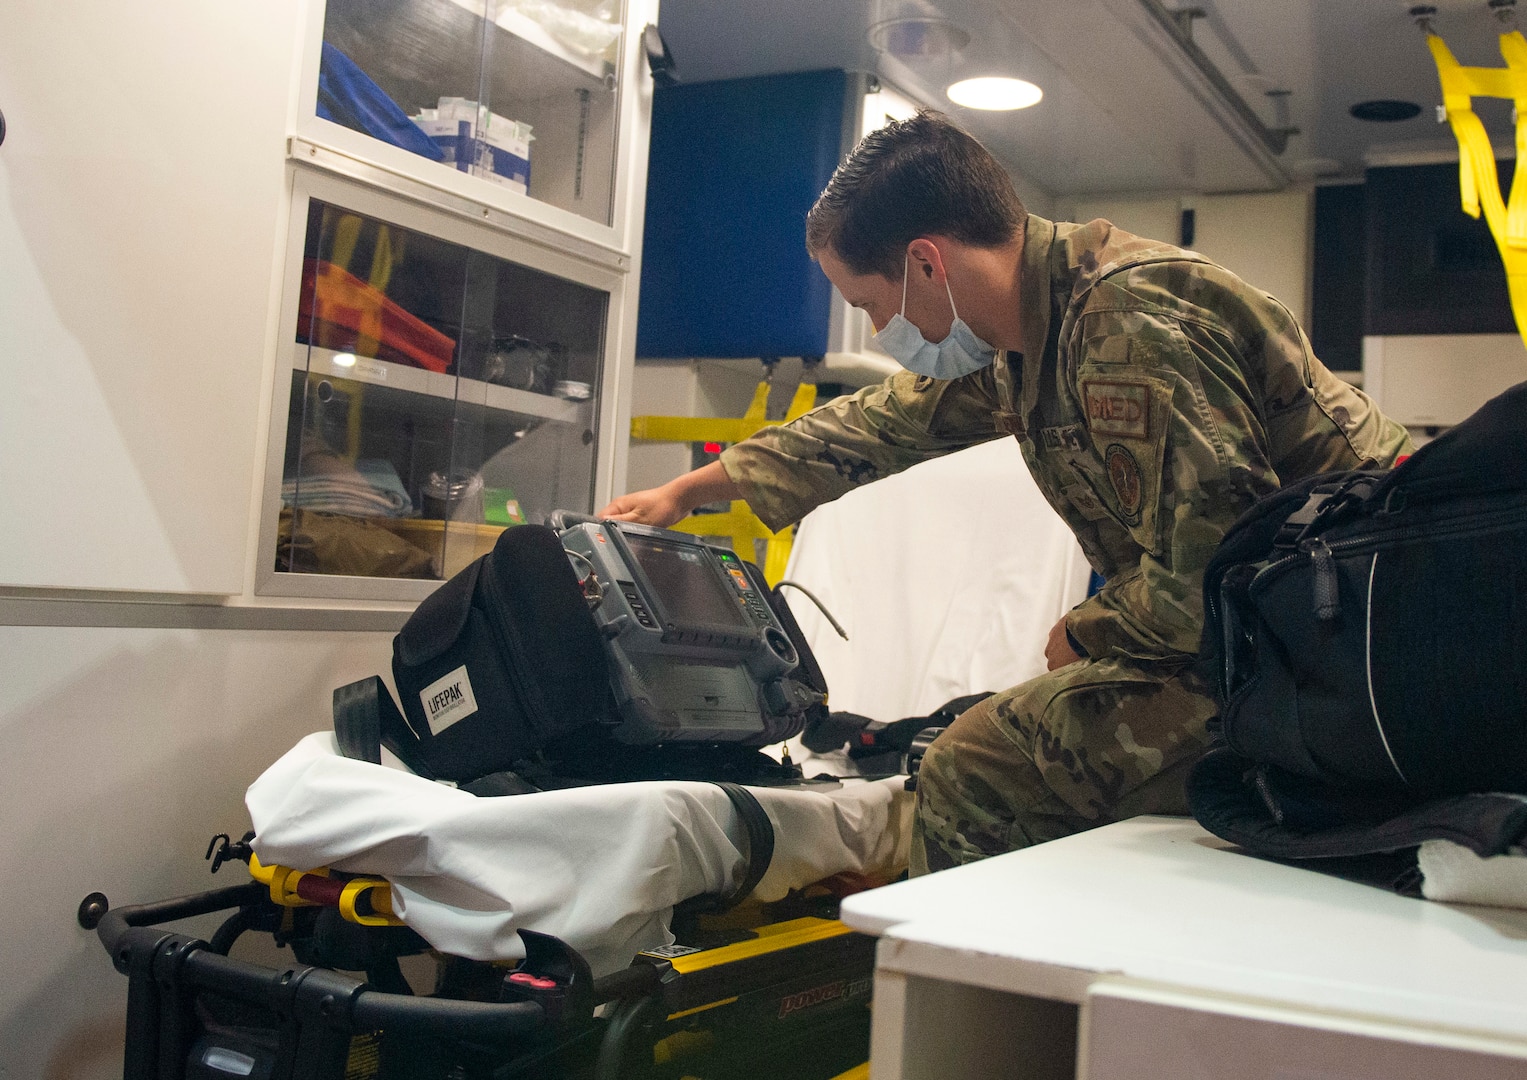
(1087, 744)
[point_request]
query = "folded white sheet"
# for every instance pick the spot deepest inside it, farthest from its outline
(1453, 873)
(599, 867)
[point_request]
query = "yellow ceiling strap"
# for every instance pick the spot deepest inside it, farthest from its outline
(739, 523)
(1478, 181)
(1514, 48)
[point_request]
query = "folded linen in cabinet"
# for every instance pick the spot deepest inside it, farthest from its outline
(1451, 872)
(369, 488)
(600, 867)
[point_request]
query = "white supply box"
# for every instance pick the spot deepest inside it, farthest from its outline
(498, 151)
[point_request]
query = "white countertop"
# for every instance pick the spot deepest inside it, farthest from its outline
(1161, 899)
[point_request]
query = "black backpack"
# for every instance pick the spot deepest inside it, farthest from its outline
(500, 661)
(1366, 634)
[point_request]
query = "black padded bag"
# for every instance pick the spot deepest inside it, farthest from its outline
(1368, 630)
(501, 660)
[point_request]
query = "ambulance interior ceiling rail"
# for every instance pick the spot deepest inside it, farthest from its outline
(1178, 25)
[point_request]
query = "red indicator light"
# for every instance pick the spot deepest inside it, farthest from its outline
(713, 448)
(525, 978)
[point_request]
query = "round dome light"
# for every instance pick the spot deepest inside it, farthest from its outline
(993, 92)
(918, 37)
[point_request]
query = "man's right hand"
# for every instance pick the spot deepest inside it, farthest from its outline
(655, 506)
(662, 506)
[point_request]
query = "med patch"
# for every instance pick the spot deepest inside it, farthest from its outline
(1118, 408)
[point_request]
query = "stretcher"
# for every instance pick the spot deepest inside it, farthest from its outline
(704, 989)
(786, 999)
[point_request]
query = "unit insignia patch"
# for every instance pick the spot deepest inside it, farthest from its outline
(1128, 484)
(1118, 408)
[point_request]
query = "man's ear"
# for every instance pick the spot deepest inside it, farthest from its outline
(923, 256)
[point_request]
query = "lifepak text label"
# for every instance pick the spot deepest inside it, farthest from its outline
(448, 699)
(1118, 408)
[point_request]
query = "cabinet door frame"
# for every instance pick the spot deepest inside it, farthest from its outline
(613, 412)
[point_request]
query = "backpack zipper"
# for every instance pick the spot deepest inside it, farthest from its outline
(1327, 583)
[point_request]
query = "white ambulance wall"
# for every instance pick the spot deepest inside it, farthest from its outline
(142, 200)
(125, 750)
(1156, 216)
(659, 388)
(1264, 238)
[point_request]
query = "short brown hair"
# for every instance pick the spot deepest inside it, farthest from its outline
(917, 177)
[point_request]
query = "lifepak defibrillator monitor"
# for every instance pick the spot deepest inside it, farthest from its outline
(695, 651)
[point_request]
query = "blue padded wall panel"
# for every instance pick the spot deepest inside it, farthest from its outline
(734, 167)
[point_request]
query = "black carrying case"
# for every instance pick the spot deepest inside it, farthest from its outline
(1366, 633)
(500, 661)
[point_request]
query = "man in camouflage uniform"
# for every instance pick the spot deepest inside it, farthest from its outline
(1155, 397)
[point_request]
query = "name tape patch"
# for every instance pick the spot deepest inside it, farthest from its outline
(1118, 408)
(1063, 438)
(448, 700)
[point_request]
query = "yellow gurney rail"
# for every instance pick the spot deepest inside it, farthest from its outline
(366, 901)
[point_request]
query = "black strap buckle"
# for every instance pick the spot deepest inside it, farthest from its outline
(1324, 503)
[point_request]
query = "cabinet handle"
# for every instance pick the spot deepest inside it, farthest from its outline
(2, 128)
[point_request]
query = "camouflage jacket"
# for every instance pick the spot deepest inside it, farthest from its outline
(1156, 398)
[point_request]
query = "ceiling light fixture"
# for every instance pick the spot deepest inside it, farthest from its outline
(917, 37)
(994, 92)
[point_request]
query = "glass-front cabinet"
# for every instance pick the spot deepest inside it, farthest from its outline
(457, 311)
(439, 382)
(490, 98)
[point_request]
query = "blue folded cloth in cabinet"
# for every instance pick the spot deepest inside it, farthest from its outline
(348, 96)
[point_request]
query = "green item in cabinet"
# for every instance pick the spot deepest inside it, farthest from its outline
(501, 507)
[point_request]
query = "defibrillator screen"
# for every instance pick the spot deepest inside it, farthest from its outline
(688, 587)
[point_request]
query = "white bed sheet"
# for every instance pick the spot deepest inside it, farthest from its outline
(947, 577)
(599, 867)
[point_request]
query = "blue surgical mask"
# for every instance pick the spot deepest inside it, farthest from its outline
(958, 354)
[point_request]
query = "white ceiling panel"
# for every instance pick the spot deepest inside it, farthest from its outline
(1124, 109)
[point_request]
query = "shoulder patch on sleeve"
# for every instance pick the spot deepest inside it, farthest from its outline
(1128, 483)
(1117, 407)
